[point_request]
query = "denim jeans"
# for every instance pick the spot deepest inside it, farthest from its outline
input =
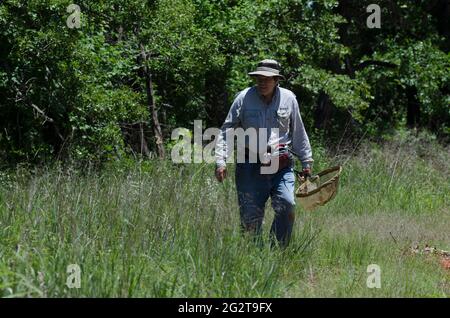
(254, 189)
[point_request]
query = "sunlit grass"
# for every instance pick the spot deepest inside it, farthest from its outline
(161, 230)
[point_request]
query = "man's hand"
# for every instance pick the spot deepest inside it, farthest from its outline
(307, 172)
(221, 173)
(307, 169)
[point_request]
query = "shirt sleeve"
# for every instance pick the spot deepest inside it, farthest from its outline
(232, 121)
(300, 140)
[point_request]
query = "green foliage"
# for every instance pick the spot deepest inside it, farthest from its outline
(413, 38)
(66, 92)
(344, 92)
(423, 66)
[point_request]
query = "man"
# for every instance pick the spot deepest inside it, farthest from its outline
(275, 109)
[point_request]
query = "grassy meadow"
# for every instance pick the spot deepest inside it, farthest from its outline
(155, 229)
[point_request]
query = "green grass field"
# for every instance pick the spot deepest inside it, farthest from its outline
(160, 230)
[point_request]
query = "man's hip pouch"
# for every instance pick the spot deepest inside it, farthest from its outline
(280, 153)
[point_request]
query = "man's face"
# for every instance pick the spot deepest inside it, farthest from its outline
(265, 85)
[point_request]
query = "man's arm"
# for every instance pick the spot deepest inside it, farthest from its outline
(300, 140)
(232, 121)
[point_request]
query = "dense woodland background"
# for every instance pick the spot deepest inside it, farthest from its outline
(117, 86)
(83, 112)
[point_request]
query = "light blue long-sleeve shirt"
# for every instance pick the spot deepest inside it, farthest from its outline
(249, 110)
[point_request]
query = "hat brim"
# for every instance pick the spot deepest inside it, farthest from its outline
(266, 74)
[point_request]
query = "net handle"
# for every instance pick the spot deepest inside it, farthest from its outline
(324, 172)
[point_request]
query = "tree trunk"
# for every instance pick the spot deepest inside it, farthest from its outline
(215, 97)
(143, 141)
(151, 104)
(322, 112)
(413, 108)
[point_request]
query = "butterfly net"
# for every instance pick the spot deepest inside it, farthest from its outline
(319, 189)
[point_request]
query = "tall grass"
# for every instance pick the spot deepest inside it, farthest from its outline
(155, 229)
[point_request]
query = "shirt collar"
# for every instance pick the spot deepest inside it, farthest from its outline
(276, 93)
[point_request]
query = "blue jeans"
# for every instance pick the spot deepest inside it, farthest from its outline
(254, 189)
